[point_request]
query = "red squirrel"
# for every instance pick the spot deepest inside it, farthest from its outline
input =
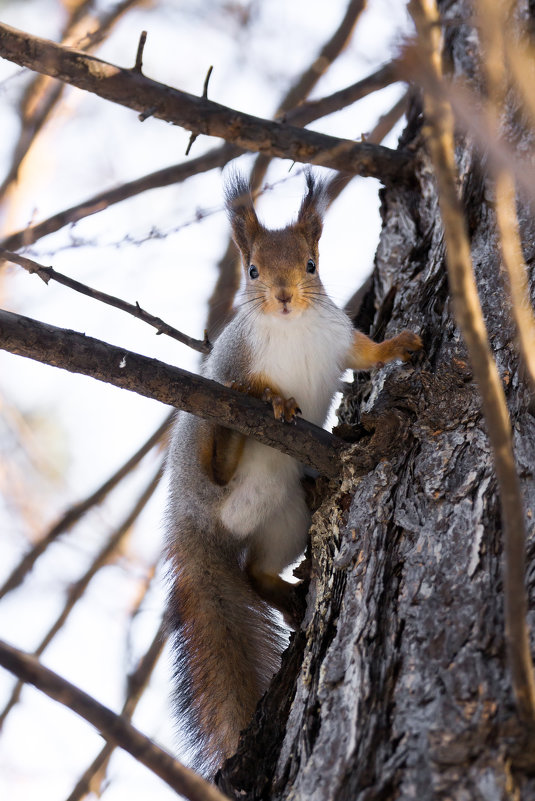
(237, 514)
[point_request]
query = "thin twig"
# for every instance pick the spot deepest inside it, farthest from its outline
(138, 66)
(77, 589)
(305, 113)
(48, 273)
(76, 512)
(177, 173)
(207, 81)
(470, 319)
(113, 727)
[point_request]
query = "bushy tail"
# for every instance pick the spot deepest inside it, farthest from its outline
(227, 647)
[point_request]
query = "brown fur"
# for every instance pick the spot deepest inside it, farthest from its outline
(366, 353)
(220, 614)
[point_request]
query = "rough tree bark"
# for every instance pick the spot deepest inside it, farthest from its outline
(397, 686)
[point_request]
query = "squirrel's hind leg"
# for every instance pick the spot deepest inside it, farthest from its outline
(278, 543)
(221, 453)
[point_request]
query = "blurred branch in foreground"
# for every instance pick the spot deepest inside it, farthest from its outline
(48, 273)
(198, 114)
(493, 23)
(114, 728)
(76, 591)
(76, 512)
(469, 316)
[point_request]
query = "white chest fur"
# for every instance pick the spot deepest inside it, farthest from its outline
(304, 356)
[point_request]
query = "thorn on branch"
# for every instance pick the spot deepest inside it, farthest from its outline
(146, 114)
(192, 138)
(139, 55)
(206, 82)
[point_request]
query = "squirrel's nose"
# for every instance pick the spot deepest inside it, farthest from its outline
(284, 296)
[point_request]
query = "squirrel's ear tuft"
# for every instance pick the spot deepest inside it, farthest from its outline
(313, 205)
(242, 216)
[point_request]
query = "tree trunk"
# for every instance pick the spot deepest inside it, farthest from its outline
(397, 685)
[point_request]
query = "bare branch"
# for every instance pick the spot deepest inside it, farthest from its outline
(79, 587)
(137, 682)
(113, 727)
(328, 53)
(80, 354)
(76, 512)
(48, 273)
(470, 319)
(217, 157)
(198, 114)
(314, 109)
(43, 94)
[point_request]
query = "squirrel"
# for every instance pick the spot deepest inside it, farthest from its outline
(237, 515)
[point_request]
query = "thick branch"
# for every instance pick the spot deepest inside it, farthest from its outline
(154, 379)
(112, 726)
(197, 114)
(470, 319)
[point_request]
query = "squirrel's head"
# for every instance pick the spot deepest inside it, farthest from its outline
(281, 266)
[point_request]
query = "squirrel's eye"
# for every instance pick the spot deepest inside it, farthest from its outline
(253, 272)
(311, 266)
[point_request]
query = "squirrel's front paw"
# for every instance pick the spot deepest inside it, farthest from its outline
(406, 344)
(239, 387)
(284, 409)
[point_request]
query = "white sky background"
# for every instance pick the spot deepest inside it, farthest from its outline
(81, 429)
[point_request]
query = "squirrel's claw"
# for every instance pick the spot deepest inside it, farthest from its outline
(284, 410)
(407, 342)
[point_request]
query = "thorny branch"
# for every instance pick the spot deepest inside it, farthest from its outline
(470, 319)
(114, 728)
(216, 157)
(198, 114)
(48, 273)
